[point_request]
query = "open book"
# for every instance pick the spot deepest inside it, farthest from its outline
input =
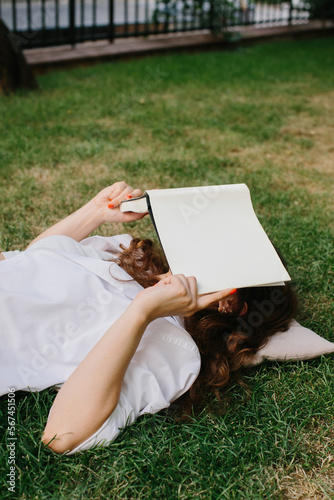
(212, 233)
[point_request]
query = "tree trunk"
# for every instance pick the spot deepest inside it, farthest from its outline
(15, 72)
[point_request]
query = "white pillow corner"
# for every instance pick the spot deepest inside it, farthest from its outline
(297, 343)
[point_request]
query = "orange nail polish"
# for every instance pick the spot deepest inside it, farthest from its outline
(234, 290)
(129, 196)
(110, 205)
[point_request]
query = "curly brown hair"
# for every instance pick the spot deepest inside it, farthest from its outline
(225, 341)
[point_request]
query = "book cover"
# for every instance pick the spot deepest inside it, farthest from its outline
(213, 233)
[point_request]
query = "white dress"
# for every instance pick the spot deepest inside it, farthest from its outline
(57, 299)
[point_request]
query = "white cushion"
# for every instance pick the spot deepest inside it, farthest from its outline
(296, 343)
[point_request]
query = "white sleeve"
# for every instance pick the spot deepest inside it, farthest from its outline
(165, 366)
(107, 243)
(97, 247)
(11, 253)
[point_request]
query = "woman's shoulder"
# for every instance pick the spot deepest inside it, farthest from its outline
(110, 244)
(94, 246)
(100, 247)
(54, 242)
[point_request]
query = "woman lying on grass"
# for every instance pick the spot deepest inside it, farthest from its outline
(103, 318)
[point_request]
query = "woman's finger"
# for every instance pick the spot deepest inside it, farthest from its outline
(117, 188)
(208, 299)
(177, 279)
(136, 193)
(120, 195)
(127, 194)
(132, 216)
(192, 283)
(164, 281)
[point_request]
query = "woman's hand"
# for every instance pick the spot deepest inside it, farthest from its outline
(175, 295)
(107, 202)
(104, 207)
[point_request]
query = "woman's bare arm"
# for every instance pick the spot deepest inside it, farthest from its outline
(92, 392)
(104, 207)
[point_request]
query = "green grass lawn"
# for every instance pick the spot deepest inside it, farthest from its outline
(262, 115)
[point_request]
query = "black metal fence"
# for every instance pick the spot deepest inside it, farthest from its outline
(37, 23)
